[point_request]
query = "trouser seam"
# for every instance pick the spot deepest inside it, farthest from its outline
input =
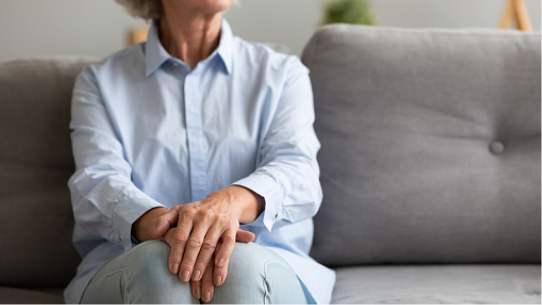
(267, 295)
(123, 283)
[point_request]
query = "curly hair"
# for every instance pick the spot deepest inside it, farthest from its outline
(146, 9)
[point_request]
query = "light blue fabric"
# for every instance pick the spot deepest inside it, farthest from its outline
(140, 276)
(149, 132)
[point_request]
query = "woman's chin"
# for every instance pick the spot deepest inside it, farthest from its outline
(205, 6)
(217, 6)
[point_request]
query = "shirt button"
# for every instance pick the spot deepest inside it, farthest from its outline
(276, 215)
(175, 64)
(496, 148)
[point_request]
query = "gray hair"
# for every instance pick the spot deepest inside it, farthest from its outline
(146, 9)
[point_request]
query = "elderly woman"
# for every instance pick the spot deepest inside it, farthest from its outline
(196, 168)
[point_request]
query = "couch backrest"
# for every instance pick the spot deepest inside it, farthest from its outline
(430, 145)
(35, 164)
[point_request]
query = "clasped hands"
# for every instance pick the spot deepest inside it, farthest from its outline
(202, 235)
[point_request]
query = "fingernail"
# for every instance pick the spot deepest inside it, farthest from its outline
(174, 268)
(198, 293)
(195, 276)
(207, 297)
(218, 279)
(220, 262)
(185, 276)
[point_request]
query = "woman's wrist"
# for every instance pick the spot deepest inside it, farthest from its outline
(145, 225)
(250, 204)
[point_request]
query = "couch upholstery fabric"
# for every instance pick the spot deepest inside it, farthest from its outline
(9, 295)
(383, 208)
(438, 284)
(35, 165)
(430, 145)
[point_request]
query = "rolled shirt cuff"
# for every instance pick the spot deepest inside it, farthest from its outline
(269, 188)
(126, 213)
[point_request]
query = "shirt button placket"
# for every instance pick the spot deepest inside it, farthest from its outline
(196, 142)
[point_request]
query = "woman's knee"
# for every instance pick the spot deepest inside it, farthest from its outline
(246, 262)
(142, 276)
(148, 260)
(258, 275)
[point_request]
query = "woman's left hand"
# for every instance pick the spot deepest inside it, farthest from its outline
(202, 225)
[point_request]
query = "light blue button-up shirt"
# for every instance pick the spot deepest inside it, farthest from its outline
(150, 132)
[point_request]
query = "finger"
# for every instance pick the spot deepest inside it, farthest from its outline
(194, 244)
(164, 223)
(208, 248)
(243, 236)
(178, 242)
(222, 257)
(207, 286)
(168, 237)
(196, 289)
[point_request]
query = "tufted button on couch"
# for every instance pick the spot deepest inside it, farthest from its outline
(430, 166)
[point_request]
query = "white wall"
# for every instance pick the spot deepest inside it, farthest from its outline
(447, 13)
(30, 28)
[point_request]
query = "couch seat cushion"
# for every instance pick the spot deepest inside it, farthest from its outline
(424, 284)
(10, 295)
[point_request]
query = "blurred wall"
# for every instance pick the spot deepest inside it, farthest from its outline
(38, 28)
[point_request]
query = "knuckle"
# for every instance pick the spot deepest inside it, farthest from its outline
(224, 221)
(207, 215)
(208, 245)
(180, 238)
(190, 213)
(194, 243)
(228, 240)
(200, 265)
(188, 263)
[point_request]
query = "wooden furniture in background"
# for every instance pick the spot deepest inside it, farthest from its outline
(138, 35)
(516, 10)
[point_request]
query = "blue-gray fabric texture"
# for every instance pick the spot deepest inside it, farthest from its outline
(35, 164)
(438, 284)
(430, 145)
(140, 275)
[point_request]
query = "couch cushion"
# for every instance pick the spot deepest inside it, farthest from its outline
(460, 284)
(9, 295)
(35, 164)
(430, 145)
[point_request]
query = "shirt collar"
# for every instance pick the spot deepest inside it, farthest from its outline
(156, 55)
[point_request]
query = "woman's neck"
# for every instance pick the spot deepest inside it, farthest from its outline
(190, 37)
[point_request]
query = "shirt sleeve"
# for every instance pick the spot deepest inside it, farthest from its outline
(287, 176)
(105, 201)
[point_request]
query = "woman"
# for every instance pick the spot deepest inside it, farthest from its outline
(184, 145)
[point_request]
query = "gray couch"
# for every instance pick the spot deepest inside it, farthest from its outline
(430, 165)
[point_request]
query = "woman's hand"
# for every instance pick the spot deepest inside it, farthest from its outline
(202, 224)
(203, 289)
(156, 222)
